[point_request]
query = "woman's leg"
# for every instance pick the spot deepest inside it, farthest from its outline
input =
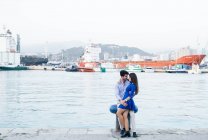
(126, 121)
(119, 113)
(121, 126)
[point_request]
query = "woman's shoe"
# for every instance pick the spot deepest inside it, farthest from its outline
(126, 134)
(122, 131)
(135, 135)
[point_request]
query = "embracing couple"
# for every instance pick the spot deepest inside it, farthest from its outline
(126, 89)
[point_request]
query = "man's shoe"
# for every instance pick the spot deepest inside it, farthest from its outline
(126, 134)
(135, 135)
(122, 131)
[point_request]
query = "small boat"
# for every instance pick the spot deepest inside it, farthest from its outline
(103, 69)
(12, 67)
(134, 68)
(72, 68)
(149, 70)
(107, 67)
(179, 68)
(204, 70)
(97, 69)
(195, 69)
(177, 71)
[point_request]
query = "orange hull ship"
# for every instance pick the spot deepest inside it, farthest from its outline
(187, 60)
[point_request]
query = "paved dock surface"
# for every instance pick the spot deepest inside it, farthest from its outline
(99, 134)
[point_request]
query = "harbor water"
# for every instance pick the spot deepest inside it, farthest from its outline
(44, 99)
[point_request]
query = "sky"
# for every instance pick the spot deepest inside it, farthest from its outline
(151, 25)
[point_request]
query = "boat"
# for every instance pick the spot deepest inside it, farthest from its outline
(204, 70)
(148, 70)
(195, 69)
(107, 67)
(89, 61)
(177, 71)
(99, 69)
(133, 68)
(103, 69)
(12, 67)
(187, 60)
(179, 68)
(10, 52)
(72, 68)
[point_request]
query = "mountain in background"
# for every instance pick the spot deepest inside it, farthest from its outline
(112, 50)
(117, 51)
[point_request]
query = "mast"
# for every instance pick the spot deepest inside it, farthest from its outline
(18, 44)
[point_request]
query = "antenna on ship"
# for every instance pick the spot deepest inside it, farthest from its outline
(90, 42)
(197, 43)
(46, 50)
(4, 28)
(198, 52)
(205, 51)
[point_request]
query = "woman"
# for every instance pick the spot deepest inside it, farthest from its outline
(123, 111)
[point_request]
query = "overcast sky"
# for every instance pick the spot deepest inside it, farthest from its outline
(150, 25)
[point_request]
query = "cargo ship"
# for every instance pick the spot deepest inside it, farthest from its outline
(10, 52)
(186, 60)
(90, 59)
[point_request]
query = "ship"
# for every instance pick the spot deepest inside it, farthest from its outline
(10, 52)
(89, 61)
(12, 67)
(134, 68)
(161, 64)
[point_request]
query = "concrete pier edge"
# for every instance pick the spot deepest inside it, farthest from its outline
(99, 134)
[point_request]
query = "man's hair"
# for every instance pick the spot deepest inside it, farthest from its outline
(123, 72)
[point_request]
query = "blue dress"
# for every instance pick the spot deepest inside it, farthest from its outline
(130, 92)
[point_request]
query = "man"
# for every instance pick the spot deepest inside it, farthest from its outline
(119, 92)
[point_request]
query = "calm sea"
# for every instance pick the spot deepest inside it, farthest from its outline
(34, 99)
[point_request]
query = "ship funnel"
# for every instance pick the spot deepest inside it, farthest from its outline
(9, 32)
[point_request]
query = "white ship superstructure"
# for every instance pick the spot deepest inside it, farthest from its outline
(9, 49)
(91, 53)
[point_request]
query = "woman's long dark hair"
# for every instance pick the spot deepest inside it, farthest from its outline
(135, 81)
